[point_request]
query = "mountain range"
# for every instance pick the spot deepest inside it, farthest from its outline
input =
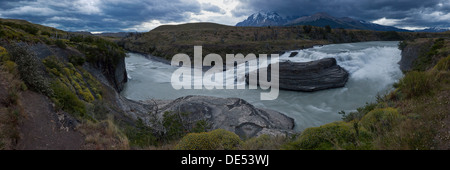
(264, 18)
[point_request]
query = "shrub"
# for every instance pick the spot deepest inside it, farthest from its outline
(443, 64)
(52, 62)
(3, 54)
(12, 97)
(173, 125)
(103, 135)
(215, 140)
(380, 121)
(141, 135)
(328, 28)
(264, 142)
(30, 70)
(77, 60)
(10, 66)
(61, 44)
(360, 112)
(307, 28)
(87, 95)
(415, 84)
(67, 100)
(336, 135)
(46, 33)
(201, 126)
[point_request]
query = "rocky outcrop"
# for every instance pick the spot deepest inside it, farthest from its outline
(310, 76)
(412, 51)
(232, 114)
(116, 75)
(120, 75)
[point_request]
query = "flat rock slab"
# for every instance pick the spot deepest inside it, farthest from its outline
(310, 76)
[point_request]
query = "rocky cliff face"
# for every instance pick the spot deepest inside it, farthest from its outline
(411, 52)
(115, 74)
(120, 75)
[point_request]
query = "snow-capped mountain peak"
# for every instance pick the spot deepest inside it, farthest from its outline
(263, 18)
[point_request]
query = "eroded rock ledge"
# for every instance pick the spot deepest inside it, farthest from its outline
(232, 114)
(310, 76)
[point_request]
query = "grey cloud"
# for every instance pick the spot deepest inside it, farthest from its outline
(410, 10)
(110, 15)
(212, 8)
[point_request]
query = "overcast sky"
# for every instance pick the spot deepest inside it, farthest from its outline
(144, 15)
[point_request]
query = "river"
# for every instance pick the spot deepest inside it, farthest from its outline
(372, 66)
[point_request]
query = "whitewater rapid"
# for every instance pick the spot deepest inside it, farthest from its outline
(372, 66)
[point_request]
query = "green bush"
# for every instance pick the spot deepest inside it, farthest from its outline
(46, 33)
(443, 64)
(77, 60)
(173, 125)
(415, 84)
(200, 126)
(52, 62)
(215, 140)
(336, 135)
(360, 112)
(3, 54)
(141, 135)
(380, 121)
(30, 69)
(61, 44)
(264, 142)
(10, 66)
(67, 100)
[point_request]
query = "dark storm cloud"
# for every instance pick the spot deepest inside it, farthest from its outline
(212, 8)
(87, 15)
(425, 13)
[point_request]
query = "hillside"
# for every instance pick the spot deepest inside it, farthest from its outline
(52, 83)
(168, 40)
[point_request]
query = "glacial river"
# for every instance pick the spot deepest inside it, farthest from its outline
(372, 66)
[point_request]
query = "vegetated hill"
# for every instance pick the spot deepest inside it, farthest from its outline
(191, 27)
(168, 40)
(433, 29)
(319, 19)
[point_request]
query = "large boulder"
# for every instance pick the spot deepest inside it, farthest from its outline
(310, 76)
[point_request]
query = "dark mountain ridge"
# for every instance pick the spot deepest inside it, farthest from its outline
(320, 19)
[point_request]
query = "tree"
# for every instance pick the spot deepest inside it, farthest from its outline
(328, 28)
(307, 28)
